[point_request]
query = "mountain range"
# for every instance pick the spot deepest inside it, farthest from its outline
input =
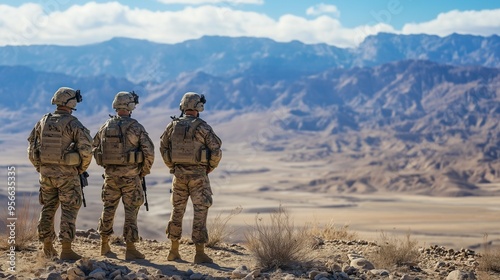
(410, 113)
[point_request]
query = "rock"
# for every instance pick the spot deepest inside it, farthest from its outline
(94, 236)
(322, 275)
(350, 270)
(85, 264)
(130, 276)
(81, 233)
(342, 275)
(240, 272)
(461, 275)
(98, 274)
(115, 273)
(313, 274)
(196, 276)
(176, 277)
(75, 273)
(379, 272)
(354, 256)
(53, 276)
(362, 263)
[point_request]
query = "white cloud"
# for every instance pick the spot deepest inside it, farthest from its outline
(200, 2)
(484, 22)
(321, 9)
(95, 22)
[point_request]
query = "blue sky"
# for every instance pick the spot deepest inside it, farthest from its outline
(342, 23)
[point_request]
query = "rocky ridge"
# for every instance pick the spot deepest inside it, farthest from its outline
(330, 259)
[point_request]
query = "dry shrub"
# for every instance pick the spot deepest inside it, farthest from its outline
(218, 230)
(490, 260)
(331, 231)
(25, 225)
(278, 244)
(396, 251)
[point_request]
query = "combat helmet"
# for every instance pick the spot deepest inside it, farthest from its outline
(192, 101)
(125, 100)
(66, 96)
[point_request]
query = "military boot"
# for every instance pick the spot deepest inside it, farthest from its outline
(48, 249)
(200, 256)
(131, 252)
(105, 249)
(67, 253)
(173, 254)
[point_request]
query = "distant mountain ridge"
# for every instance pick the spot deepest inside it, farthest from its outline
(140, 60)
(412, 113)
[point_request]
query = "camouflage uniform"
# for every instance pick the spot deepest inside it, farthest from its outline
(124, 181)
(59, 183)
(191, 180)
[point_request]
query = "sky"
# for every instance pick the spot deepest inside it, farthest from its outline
(340, 23)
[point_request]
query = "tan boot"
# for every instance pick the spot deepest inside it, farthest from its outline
(48, 249)
(105, 249)
(67, 253)
(200, 256)
(173, 254)
(131, 252)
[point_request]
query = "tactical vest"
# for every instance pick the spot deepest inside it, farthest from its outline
(51, 139)
(114, 149)
(185, 148)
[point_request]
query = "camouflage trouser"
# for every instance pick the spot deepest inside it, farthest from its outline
(67, 192)
(129, 189)
(198, 187)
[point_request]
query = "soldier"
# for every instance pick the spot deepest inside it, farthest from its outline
(60, 149)
(191, 150)
(122, 146)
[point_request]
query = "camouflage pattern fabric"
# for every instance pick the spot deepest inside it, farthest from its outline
(124, 181)
(59, 184)
(129, 189)
(198, 187)
(191, 180)
(204, 134)
(74, 132)
(55, 191)
(137, 139)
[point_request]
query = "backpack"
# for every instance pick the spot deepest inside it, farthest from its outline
(185, 148)
(113, 146)
(51, 141)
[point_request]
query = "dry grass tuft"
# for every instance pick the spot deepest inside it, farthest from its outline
(396, 251)
(25, 225)
(490, 260)
(278, 244)
(331, 231)
(218, 230)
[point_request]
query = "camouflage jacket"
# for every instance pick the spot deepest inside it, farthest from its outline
(203, 134)
(75, 137)
(137, 139)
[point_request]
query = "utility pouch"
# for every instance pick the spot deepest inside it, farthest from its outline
(72, 159)
(135, 157)
(98, 158)
(203, 155)
(35, 154)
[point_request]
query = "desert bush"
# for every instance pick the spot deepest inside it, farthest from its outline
(279, 243)
(396, 251)
(330, 231)
(26, 225)
(218, 229)
(490, 259)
